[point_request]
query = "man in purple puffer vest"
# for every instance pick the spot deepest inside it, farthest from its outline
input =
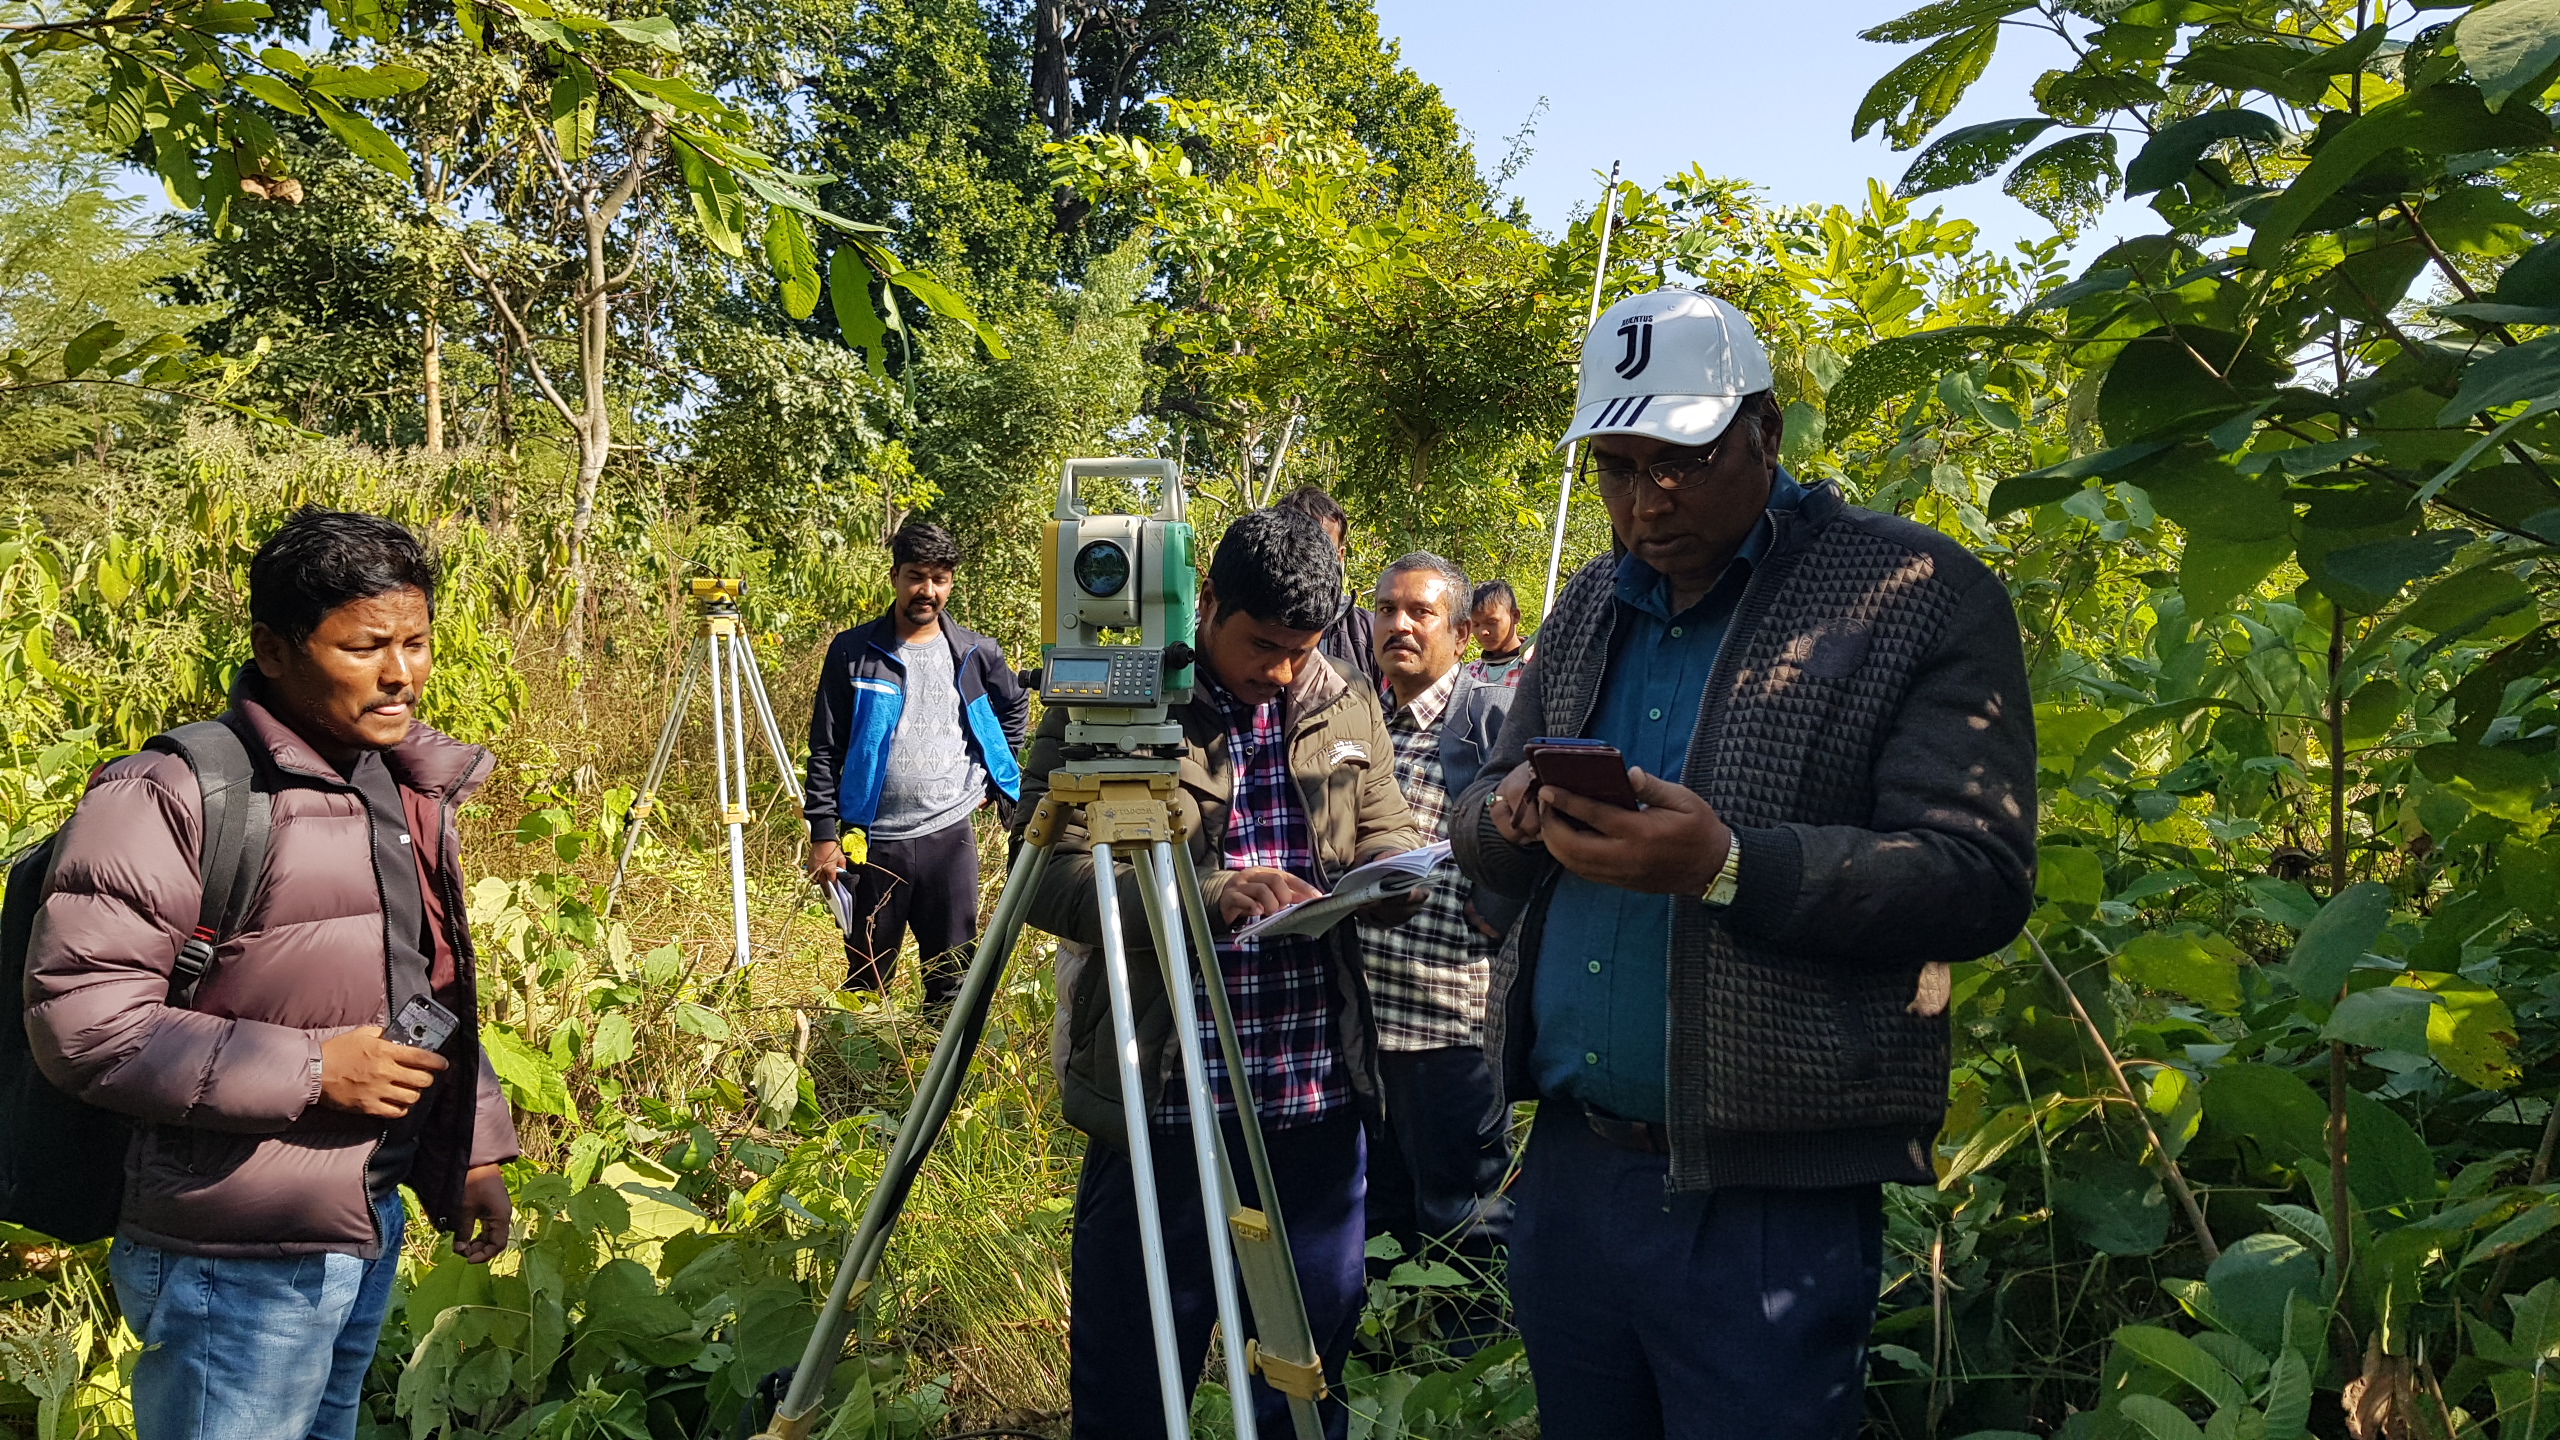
(262, 1217)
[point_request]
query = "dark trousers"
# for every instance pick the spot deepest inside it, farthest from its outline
(929, 885)
(1319, 1171)
(1717, 1316)
(1436, 1160)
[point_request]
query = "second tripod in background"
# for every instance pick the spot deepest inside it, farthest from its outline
(721, 650)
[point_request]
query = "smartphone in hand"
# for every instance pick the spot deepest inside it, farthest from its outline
(1592, 769)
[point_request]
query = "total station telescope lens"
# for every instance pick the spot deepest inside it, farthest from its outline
(1102, 569)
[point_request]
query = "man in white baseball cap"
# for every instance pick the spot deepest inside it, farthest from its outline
(1729, 988)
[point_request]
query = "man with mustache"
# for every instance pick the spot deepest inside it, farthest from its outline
(1436, 1155)
(261, 1225)
(1730, 998)
(914, 728)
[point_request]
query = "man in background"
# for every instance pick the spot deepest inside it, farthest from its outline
(1494, 617)
(1351, 639)
(1437, 1156)
(1288, 782)
(262, 1221)
(914, 727)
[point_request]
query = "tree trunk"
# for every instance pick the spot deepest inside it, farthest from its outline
(1052, 68)
(431, 370)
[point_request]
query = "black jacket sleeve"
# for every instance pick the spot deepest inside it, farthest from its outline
(1012, 703)
(830, 730)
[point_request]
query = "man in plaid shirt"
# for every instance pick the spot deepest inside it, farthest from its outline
(1287, 782)
(1437, 1157)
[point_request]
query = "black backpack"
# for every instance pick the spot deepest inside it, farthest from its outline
(62, 1159)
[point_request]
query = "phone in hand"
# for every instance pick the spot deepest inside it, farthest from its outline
(1592, 769)
(424, 1023)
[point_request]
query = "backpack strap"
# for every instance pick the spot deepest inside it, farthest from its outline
(237, 819)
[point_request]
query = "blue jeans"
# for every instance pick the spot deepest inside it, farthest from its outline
(254, 1349)
(1735, 1314)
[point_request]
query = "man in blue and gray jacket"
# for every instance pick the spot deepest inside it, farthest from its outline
(915, 726)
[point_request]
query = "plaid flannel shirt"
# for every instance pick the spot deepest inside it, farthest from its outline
(1282, 998)
(1427, 977)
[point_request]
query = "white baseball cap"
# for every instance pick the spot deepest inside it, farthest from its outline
(1674, 364)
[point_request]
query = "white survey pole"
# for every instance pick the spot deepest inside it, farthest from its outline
(1564, 496)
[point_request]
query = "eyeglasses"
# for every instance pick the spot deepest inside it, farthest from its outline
(1617, 478)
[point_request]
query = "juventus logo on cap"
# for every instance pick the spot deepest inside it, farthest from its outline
(1639, 335)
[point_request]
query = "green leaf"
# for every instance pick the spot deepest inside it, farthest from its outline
(2255, 1278)
(363, 137)
(2067, 182)
(941, 301)
(176, 164)
(2372, 574)
(2510, 48)
(272, 90)
(2204, 968)
(1961, 157)
(82, 353)
(2254, 65)
(573, 112)
(849, 286)
(2438, 120)
(2500, 779)
(2158, 1419)
(2183, 1358)
(2114, 1207)
(1896, 367)
(2530, 371)
(2062, 481)
(679, 94)
(1923, 90)
(2465, 600)
(2171, 154)
(614, 1042)
(1939, 18)
(527, 1075)
(717, 201)
(2178, 379)
(357, 82)
(2288, 1403)
(794, 259)
(655, 30)
(2472, 1033)
(2332, 944)
(2384, 1018)
(2072, 877)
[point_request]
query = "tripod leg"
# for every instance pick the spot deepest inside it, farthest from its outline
(772, 729)
(1154, 874)
(657, 773)
(926, 1114)
(1142, 1168)
(733, 809)
(1262, 1238)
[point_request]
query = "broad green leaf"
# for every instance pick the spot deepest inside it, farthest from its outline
(2387, 1164)
(2204, 968)
(2530, 371)
(717, 202)
(573, 113)
(272, 90)
(2471, 1033)
(2438, 120)
(2072, 877)
(1890, 369)
(357, 82)
(2466, 600)
(2254, 1278)
(2333, 943)
(176, 163)
(2068, 181)
(1914, 96)
(2179, 378)
(2374, 711)
(2158, 1419)
(2169, 155)
(2062, 481)
(679, 94)
(2384, 1018)
(2371, 575)
(776, 1082)
(2254, 65)
(2288, 1402)
(2510, 48)
(1963, 156)
(2113, 1206)
(614, 1042)
(2181, 1357)
(363, 137)
(2504, 781)
(699, 1020)
(529, 1076)
(1939, 18)
(941, 301)
(82, 354)
(849, 286)
(2150, 717)
(655, 30)
(794, 260)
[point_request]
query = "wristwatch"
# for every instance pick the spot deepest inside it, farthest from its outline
(1720, 891)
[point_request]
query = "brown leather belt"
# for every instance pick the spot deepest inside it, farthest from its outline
(1642, 1136)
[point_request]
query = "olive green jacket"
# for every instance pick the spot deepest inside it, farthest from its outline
(1344, 764)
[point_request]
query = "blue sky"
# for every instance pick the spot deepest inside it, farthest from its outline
(1759, 91)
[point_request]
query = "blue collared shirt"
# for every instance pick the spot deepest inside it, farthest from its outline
(1601, 1001)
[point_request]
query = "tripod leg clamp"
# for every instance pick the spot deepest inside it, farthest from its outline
(1286, 1376)
(792, 1429)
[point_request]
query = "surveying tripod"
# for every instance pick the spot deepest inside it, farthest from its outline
(720, 648)
(1127, 804)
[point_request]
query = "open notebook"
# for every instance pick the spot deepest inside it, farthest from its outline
(1391, 875)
